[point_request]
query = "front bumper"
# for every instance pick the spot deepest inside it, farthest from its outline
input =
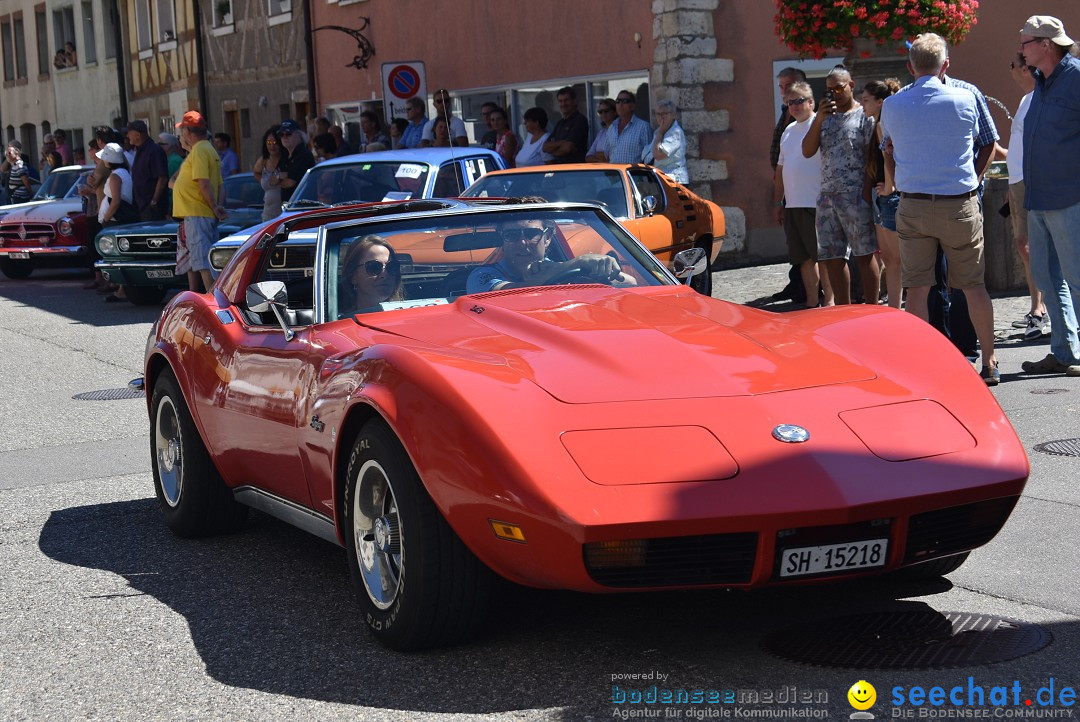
(31, 252)
(141, 273)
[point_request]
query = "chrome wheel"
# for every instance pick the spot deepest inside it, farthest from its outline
(377, 534)
(168, 444)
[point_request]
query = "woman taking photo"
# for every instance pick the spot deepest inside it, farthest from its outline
(267, 167)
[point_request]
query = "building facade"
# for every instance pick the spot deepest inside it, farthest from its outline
(255, 69)
(162, 44)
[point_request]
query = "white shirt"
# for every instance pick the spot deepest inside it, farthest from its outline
(457, 129)
(126, 189)
(802, 176)
(532, 153)
(1015, 159)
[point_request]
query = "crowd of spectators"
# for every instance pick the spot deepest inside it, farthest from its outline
(893, 177)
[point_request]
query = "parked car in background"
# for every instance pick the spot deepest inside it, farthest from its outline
(675, 219)
(49, 234)
(607, 430)
(391, 175)
(54, 188)
(141, 257)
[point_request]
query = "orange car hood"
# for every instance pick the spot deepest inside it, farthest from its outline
(592, 344)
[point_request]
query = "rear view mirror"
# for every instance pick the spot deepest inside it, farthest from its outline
(689, 263)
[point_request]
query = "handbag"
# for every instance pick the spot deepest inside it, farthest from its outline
(127, 213)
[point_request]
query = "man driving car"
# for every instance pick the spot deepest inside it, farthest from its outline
(522, 261)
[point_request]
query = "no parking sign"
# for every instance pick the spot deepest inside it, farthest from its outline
(401, 81)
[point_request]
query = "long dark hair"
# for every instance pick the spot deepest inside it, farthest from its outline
(352, 262)
(274, 131)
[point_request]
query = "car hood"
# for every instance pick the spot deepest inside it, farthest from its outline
(592, 344)
(22, 206)
(149, 228)
(45, 212)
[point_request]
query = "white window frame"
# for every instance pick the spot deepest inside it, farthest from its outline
(165, 11)
(279, 11)
(144, 29)
(89, 34)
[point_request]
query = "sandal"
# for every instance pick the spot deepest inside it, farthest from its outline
(1048, 365)
(990, 375)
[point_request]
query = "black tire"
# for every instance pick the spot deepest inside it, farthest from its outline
(417, 583)
(145, 295)
(932, 569)
(702, 282)
(193, 498)
(17, 270)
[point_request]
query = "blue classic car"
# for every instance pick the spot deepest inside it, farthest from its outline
(141, 257)
(390, 175)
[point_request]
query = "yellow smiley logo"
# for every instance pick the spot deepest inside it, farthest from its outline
(862, 695)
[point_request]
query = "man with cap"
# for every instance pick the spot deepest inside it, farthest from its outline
(1052, 187)
(198, 198)
(295, 161)
(149, 173)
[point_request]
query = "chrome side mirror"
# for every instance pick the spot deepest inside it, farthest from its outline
(649, 204)
(270, 296)
(689, 263)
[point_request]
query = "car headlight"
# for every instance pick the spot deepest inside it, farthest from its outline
(219, 257)
(124, 245)
(106, 245)
(66, 227)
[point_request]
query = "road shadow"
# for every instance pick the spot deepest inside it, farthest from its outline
(61, 292)
(271, 609)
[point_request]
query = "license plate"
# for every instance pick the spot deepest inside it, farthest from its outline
(19, 255)
(164, 273)
(833, 557)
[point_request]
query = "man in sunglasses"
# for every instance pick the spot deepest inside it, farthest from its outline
(523, 261)
(796, 185)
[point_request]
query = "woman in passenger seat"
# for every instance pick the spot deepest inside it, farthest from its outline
(372, 274)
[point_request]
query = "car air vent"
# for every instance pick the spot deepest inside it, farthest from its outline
(673, 561)
(956, 529)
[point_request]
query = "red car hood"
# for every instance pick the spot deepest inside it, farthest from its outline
(49, 212)
(592, 344)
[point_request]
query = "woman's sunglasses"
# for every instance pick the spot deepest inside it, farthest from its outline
(374, 268)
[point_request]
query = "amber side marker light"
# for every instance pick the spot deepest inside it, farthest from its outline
(507, 531)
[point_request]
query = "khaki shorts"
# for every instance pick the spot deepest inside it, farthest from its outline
(956, 225)
(1017, 212)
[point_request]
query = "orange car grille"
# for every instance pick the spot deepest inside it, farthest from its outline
(673, 561)
(956, 529)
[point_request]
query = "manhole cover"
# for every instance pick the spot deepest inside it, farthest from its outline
(110, 394)
(1049, 392)
(1062, 447)
(908, 640)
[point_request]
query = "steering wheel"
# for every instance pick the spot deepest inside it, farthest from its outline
(578, 275)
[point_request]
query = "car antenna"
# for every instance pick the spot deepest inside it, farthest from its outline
(446, 113)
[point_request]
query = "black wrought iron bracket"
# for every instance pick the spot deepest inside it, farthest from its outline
(367, 50)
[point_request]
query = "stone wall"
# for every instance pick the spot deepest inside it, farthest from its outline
(685, 63)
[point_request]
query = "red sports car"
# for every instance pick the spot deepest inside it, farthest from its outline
(452, 392)
(47, 235)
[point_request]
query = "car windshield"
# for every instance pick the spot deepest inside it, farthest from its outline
(57, 184)
(603, 187)
(243, 191)
(430, 260)
(80, 181)
(365, 182)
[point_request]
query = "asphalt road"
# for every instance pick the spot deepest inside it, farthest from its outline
(105, 615)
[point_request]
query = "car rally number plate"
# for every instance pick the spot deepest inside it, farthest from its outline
(863, 554)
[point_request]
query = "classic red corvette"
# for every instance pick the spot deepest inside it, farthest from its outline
(458, 391)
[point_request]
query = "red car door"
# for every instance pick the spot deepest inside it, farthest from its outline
(256, 404)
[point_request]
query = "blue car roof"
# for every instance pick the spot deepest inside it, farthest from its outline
(435, 156)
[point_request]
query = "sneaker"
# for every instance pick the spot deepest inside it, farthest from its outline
(1026, 323)
(1037, 327)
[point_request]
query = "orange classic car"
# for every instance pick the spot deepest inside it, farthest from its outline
(674, 220)
(454, 391)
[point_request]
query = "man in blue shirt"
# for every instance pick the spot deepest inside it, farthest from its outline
(1052, 186)
(628, 135)
(933, 128)
(414, 133)
(230, 163)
